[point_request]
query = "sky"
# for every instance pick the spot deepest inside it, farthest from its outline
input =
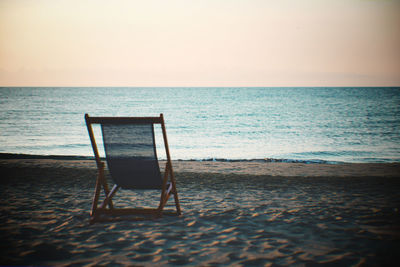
(200, 43)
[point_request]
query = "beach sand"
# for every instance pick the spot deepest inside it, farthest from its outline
(234, 213)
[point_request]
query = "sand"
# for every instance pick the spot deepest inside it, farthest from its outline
(222, 167)
(234, 213)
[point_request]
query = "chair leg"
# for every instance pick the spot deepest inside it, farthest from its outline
(165, 198)
(96, 197)
(109, 197)
(164, 189)
(105, 188)
(97, 211)
(175, 192)
(166, 193)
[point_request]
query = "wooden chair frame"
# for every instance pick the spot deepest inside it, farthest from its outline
(107, 207)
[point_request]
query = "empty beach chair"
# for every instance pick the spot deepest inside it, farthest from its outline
(131, 158)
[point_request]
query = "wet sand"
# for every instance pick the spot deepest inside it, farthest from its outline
(223, 167)
(234, 213)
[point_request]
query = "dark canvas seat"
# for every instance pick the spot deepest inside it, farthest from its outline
(131, 157)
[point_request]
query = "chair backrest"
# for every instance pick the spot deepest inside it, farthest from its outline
(130, 150)
(131, 155)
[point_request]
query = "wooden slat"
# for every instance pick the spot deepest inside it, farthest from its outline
(99, 163)
(109, 197)
(96, 197)
(122, 120)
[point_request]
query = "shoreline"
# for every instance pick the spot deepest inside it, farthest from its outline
(256, 167)
(4, 155)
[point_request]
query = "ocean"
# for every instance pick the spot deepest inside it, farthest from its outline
(275, 124)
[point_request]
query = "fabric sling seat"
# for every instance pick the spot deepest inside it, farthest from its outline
(131, 157)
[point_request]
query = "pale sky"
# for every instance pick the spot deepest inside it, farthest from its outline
(200, 43)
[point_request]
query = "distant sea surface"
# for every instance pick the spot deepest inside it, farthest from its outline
(277, 124)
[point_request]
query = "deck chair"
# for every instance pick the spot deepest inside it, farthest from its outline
(131, 158)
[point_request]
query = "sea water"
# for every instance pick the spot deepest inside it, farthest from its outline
(290, 124)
